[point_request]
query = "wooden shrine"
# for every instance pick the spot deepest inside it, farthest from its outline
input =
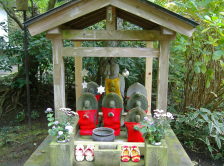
(68, 22)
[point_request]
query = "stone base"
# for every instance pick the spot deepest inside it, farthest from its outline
(156, 155)
(61, 154)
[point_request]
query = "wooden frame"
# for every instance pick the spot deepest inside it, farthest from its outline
(116, 35)
(110, 52)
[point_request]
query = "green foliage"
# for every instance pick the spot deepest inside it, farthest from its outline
(61, 130)
(35, 114)
(202, 130)
(20, 116)
(154, 129)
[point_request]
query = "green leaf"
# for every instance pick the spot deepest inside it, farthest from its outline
(197, 69)
(218, 142)
(207, 18)
(205, 30)
(217, 55)
(203, 68)
(207, 141)
(208, 84)
(210, 126)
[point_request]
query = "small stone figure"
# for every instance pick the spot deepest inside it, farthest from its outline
(91, 88)
(115, 82)
(137, 100)
(87, 105)
(136, 114)
(112, 106)
(88, 115)
(136, 88)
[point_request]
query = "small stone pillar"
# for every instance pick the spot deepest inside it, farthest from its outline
(156, 155)
(62, 154)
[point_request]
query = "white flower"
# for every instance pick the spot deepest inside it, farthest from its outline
(60, 133)
(160, 111)
(101, 89)
(56, 122)
(53, 127)
(65, 109)
(163, 115)
(85, 73)
(125, 73)
(157, 115)
(48, 110)
(169, 115)
(84, 85)
(146, 118)
(70, 129)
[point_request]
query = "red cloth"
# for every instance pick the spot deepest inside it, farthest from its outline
(98, 96)
(87, 121)
(133, 135)
(113, 122)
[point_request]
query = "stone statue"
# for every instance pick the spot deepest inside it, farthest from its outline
(115, 82)
(112, 100)
(88, 114)
(91, 88)
(137, 100)
(136, 114)
(112, 106)
(136, 88)
(87, 101)
(87, 105)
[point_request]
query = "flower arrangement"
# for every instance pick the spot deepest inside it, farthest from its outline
(61, 130)
(153, 129)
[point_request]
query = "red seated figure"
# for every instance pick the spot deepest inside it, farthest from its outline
(111, 119)
(88, 113)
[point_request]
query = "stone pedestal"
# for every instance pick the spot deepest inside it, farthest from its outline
(107, 155)
(62, 154)
(156, 155)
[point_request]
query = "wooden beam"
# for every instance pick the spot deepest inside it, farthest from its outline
(111, 18)
(163, 72)
(66, 14)
(58, 77)
(55, 31)
(148, 77)
(78, 74)
(119, 35)
(154, 15)
(110, 52)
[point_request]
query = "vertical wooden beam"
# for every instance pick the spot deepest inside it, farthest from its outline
(163, 72)
(58, 76)
(148, 77)
(78, 74)
(111, 18)
(111, 23)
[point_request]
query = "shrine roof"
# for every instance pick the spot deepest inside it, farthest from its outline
(79, 14)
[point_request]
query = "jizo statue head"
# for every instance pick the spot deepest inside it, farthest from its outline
(86, 105)
(114, 70)
(112, 104)
(138, 103)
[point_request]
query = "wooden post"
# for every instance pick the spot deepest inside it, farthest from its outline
(163, 75)
(111, 23)
(111, 20)
(148, 77)
(58, 76)
(78, 74)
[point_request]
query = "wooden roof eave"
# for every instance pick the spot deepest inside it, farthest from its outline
(79, 9)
